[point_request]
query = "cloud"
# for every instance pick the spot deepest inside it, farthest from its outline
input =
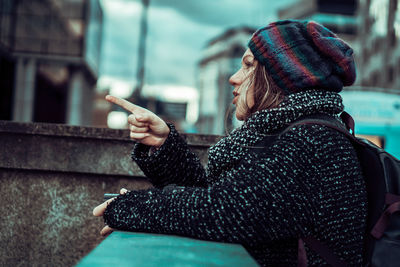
(223, 12)
(177, 33)
(120, 38)
(175, 47)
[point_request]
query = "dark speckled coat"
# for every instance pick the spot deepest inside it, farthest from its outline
(308, 182)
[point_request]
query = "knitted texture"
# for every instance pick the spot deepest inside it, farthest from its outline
(308, 182)
(300, 55)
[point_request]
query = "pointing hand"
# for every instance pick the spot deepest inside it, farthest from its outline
(145, 126)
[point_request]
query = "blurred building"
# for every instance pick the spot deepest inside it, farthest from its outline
(340, 16)
(49, 59)
(176, 104)
(221, 58)
(379, 35)
(173, 103)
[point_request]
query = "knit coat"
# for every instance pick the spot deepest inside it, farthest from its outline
(307, 182)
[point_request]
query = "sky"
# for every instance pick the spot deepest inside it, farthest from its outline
(178, 31)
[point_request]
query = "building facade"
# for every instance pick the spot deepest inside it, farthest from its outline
(49, 59)
(379, 34)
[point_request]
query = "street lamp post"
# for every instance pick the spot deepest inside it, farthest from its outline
(137, 95)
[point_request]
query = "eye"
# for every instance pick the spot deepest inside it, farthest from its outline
(248, 64)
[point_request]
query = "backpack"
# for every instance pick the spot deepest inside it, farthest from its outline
(381, 172)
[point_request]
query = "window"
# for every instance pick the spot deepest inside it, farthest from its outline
(365, 55)
(390, 74)
(377, 45)
(379, 11)
(398, 67)
(393, 39)
(375, 79)
(396, 23)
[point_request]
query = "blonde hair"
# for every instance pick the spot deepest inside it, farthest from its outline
(266, 93)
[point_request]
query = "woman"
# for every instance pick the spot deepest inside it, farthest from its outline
(307, 182)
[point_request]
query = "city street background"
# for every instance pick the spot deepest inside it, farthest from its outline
(59, 58)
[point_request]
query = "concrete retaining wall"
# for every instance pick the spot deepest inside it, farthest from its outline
(51, 177)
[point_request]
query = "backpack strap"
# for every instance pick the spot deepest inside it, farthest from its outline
(348, 121)
(345, 127)
(323, 251)
(393, 202)
(314, 244)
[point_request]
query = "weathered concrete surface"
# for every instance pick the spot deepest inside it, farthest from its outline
(51, 177)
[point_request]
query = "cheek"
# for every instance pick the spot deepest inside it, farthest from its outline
(244, 74)
(250, 97)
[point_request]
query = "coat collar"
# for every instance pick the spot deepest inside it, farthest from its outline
(292, 108)
(224, 155)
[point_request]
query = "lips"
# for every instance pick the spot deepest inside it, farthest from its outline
(235, 97)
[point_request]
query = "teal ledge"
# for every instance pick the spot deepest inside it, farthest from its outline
(142, 249)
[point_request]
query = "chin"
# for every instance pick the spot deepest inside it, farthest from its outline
(239, 117)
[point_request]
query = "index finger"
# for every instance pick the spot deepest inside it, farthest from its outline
(122, 103)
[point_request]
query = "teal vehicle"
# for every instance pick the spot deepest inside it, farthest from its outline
(377, 115)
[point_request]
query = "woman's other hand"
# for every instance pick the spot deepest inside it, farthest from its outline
(100, 209)
(145, 126)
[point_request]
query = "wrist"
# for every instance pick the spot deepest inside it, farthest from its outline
(163, 138)
(156, 147)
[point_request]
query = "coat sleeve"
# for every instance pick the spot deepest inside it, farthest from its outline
(173, 163)
(259, 201)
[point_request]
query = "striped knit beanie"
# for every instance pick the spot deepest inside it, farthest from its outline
(302, 55)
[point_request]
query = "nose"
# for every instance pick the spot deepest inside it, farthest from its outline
(235, 79)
